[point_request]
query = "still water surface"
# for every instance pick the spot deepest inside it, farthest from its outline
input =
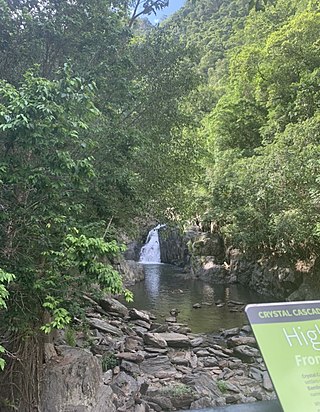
(166, 287)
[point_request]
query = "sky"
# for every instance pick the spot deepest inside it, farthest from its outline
(174, 5)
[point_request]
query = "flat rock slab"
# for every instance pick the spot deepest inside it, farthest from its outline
(246, 353)
(104, 326)
(202, 383)
(158, 366)
(139, 314)
(136, 357)
(242, 340)
(266, 406)
(154, 339)
(175, 340)
(112, 305)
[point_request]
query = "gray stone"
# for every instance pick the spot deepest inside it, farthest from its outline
(173, 246)
(218, 352)
(175, 340)
(74, 382)
(154, 339)
(136, 357)
(131, 271)
(230, 332)
(202, 383)
(246, 329)
(112, 305)
(181, 329)
(141, 323)
(163, 402)
(226, 374)
(107, 377)
(241, 340)
(154, 406)
(140, 331)
(141, 407)
(130, 367)
(155, 351)
(126, 388)
(183, 369)
(197, 342)
(257, 395)
(139, 314)
(231, 387)
(204, 402)
(180, 360)
(158, 328)
(104, 326)
(210, 361)
(202, 352)
(154, 366)
(132, 343)
(171, 319)
(246, 353)
(231, 399)
(255, 374)
(166, 373)
(182, 400)
(267, 384)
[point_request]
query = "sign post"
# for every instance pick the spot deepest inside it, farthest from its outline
(288, 335)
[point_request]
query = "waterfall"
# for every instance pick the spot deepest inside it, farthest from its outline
(150, 252)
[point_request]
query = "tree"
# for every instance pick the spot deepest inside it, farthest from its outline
(54, 251)
(146, 7)
(263, 137)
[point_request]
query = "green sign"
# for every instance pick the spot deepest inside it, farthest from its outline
(288, 335)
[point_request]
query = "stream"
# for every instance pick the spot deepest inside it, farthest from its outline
(166, 287)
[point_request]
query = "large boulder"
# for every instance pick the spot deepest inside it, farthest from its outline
(72, 382)
(309, 288)
(204, 267)
(110, 304)
(277, 277)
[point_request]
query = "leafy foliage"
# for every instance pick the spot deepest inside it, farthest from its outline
(263, 144)
(83, 151)
(46, 173)
(215, 111)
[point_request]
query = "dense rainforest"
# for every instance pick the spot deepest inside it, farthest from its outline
(107, 121)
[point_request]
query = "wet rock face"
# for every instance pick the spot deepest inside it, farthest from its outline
(177, 248)
(147, 367)
(276, 277)
(173, 246)
(133, 250)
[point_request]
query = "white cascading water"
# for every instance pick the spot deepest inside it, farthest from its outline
(150, 252)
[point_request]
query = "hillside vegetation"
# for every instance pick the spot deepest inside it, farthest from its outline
(260, 120)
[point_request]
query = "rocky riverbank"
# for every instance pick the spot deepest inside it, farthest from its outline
(123, 360)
